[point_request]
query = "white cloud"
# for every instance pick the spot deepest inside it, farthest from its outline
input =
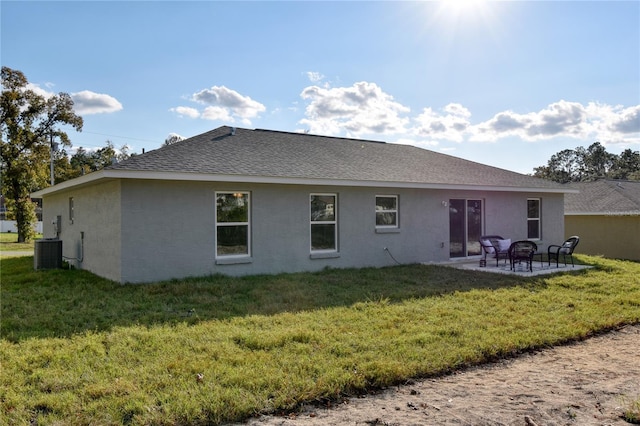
(450, 126)
(359, 109)
(558, 119)
(184, 111)
(39, 90)
(87, 102)
(627, 121)
(614, 124)
(216, 113)
(315, 77)
(364, 109)
(605, 123)
(223, 104)
(235, 103)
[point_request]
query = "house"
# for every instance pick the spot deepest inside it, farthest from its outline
(606, 215)
(239, 201)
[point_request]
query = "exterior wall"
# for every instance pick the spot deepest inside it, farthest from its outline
(167, 230)
(553, 226)
(92, 240)
(505, 214)
(616, 237)
(168, 227)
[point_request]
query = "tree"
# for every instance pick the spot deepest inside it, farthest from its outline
(62, 169)
(562, 167)
(28, 125)
(172, 138)
(594, 162)
(83, 162)
(627, 165)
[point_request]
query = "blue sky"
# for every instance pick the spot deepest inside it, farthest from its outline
(502, 83)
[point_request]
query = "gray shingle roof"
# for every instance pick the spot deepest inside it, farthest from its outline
(609, 197)
(266, 153)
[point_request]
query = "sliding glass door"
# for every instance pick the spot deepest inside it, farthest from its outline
(465, 227)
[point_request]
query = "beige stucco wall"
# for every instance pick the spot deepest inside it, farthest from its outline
(610, 236)
(96, 216)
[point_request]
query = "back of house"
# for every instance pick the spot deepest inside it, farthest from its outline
(240, 201)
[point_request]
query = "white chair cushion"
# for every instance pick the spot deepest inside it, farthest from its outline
(488, 246)
(504, 244)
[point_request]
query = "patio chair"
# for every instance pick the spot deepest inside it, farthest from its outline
(522, 251)
(496, 246)
(566, 249)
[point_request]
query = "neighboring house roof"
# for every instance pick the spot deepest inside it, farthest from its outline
(266, 156)
(603, 197)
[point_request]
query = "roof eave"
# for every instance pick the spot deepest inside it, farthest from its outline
(72, 183)
(204, 177)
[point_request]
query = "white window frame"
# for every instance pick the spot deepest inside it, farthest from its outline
(396, 211)
(224, 224)
(333, 222)
(536, 219)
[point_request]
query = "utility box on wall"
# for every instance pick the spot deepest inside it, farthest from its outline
(47, 254)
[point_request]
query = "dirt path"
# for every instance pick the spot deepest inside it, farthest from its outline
(586, 383)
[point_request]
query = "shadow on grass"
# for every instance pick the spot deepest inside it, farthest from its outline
(60, 303)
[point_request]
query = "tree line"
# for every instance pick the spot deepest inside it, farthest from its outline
(82, 162)
(592, 163)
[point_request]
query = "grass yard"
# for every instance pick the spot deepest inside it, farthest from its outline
(8, 242)
(77, 349)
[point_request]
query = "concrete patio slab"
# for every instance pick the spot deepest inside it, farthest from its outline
(520, 270)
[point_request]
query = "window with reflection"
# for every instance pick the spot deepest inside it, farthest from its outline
(386, 211)
(533, 218)
(324, 222)
(232, 224)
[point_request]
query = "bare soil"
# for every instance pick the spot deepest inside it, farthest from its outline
(591, 382)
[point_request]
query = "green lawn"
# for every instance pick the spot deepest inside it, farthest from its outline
(77, 349)
(8, 242)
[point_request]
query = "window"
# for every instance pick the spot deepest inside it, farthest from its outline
(71, 214)
(324, 222)
(232, 224)
(386, 211)
(533, 218)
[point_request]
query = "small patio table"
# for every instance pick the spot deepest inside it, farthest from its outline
(522, 251)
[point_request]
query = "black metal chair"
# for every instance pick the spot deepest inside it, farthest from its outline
(566, 249)
(522, 251)
(491, 246)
